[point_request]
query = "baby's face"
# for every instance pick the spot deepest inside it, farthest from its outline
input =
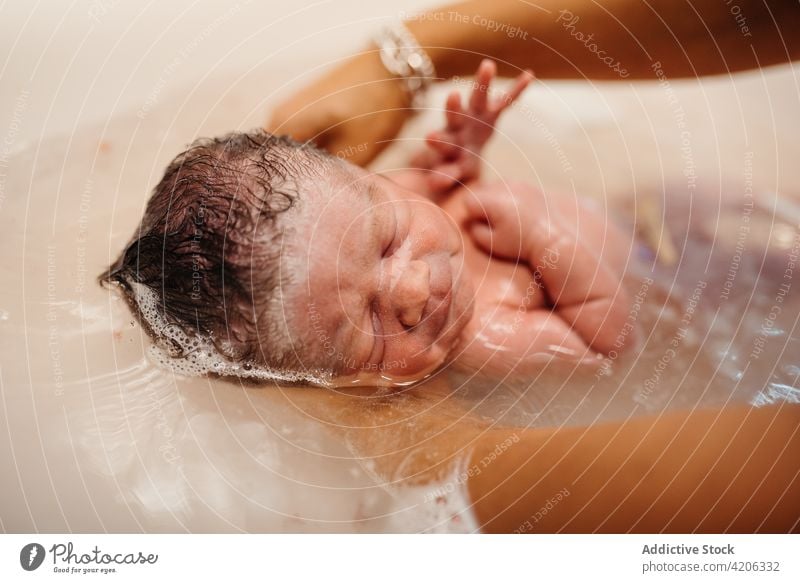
(386, 294)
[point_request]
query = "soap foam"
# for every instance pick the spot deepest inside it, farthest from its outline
(194, 355)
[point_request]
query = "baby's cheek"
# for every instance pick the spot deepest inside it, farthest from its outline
(437, 232)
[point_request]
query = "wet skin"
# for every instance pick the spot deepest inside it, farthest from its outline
(407, 271)
(397, 285)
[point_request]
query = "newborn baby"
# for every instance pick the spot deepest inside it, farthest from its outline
(288, 258)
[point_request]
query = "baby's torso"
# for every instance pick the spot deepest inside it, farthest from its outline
(513, 313)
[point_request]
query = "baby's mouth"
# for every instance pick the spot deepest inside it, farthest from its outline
(438, 309)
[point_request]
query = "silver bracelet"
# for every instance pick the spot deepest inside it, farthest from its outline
(403, 57)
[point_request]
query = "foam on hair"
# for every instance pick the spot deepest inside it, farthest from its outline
(193, 355)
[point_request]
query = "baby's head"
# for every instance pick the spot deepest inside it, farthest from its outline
(288, 258)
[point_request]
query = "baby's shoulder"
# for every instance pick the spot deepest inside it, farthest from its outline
(526, 195)
(519, 189)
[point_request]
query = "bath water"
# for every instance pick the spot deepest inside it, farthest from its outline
(106, 438)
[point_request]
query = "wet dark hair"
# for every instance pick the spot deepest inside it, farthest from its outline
(208, 245)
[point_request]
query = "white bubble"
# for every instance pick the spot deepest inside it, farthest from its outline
(193, 355)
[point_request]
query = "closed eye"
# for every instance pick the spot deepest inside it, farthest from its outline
(397, 236)
(388, 248)
(379, 345)
(391, 244)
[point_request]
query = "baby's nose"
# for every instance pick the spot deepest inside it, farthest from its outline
(411, 292)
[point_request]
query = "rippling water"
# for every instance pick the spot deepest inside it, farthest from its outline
(102, 439)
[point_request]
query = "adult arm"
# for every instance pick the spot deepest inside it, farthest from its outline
(729, 470)
(700, 37)
(734, 469)
(358, 107)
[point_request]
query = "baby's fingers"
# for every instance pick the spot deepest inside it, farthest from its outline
(520, 84)
(443, 143)
(493, 206)
(480, 92)
(453, 112)
(446, 176)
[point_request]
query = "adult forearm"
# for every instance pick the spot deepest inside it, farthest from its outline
(709, 471)
(621, 39)
(729, 470)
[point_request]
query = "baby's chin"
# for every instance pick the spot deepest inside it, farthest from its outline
(381, 377)
(405, 371)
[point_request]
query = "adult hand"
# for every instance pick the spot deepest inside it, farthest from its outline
(353, 111)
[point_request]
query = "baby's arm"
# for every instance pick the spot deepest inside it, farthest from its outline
(573, 253)
(586, 284)
(453, 155)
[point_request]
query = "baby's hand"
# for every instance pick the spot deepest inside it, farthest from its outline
(576, 268)
(453, 154)
(504, 218)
